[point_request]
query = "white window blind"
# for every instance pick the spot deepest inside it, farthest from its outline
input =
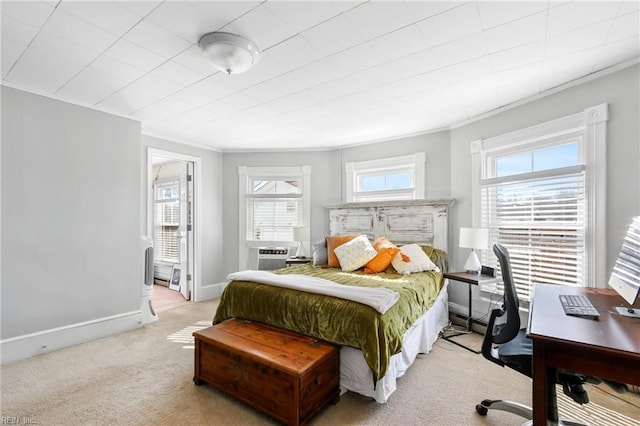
(274, 208)
(274, 219)
(540, 218)
(167, 221)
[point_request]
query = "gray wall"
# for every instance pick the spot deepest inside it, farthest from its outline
(620, 90)
(211, 204)
(71, 247)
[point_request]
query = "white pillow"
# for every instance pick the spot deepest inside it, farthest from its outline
(355, 254)
(418, 260)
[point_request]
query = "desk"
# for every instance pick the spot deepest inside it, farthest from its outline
(297, 261)
(470, 279)
(608, 348)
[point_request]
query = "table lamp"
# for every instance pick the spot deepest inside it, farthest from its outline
(301, 234)
(474, 238)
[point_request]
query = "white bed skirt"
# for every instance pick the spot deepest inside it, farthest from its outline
(355, 374)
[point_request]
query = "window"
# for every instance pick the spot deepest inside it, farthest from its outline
(397, 178)
(167, 222)
(274, 207)
(274, 201)
(537, 192)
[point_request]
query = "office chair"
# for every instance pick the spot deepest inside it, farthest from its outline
(514, 350)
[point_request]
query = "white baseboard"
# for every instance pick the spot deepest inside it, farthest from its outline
(28, 345)
(481, 309)
(211, 291)
(455, 308)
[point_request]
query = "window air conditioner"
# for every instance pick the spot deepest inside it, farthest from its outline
(270, 258)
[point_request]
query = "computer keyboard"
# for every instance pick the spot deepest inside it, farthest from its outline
(578, 305)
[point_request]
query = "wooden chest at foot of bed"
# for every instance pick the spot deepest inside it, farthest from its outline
(287, 375)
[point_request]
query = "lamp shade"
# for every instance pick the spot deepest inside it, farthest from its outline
(228, 52)
(474, 238)
(300, 233)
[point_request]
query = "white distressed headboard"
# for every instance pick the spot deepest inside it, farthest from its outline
(423, 222)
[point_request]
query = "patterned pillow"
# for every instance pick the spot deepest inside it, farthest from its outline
(334, 241)
(418, 260)
(355, 253)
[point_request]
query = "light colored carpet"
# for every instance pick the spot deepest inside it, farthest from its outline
(144, 377)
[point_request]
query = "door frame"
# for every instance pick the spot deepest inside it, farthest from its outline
(195, 209)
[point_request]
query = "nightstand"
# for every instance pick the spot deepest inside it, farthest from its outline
(297, 261)
(470, 279)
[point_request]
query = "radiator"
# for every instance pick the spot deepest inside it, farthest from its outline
(162, 271)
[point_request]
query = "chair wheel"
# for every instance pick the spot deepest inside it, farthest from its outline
(481, 409)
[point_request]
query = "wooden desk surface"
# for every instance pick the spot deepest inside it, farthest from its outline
(608, 347)
(610, 331)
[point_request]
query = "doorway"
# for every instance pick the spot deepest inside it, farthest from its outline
(171, 224)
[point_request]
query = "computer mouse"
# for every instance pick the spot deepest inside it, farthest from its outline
(631, 310)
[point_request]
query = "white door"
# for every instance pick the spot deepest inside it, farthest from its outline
(184, 230)
(190, 230)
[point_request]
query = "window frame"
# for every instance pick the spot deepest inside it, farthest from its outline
(414, 164)
(591, 123)
(245, 175)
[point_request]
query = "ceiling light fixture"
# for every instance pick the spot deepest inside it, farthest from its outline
(228, 52)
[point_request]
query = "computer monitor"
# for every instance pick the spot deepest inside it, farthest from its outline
(625, 277)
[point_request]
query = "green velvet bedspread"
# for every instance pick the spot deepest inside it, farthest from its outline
(336, 320)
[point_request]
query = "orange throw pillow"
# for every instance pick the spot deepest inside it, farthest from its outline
(334, 241)
(383, 242)
(386, 252)
(381, 261)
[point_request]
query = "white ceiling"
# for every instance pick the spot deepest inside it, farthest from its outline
(331, 73)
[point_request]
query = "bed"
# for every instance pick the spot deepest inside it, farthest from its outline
(377, 346)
